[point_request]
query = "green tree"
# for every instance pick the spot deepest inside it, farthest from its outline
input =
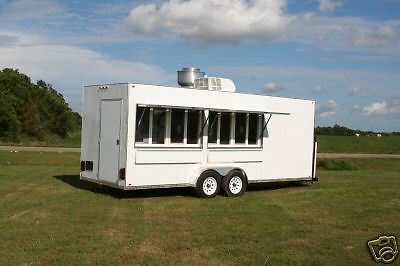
(10, 127)
(33, 110)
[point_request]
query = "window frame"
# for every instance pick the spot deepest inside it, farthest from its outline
(202, 118)
(232, 143)
(167, 134)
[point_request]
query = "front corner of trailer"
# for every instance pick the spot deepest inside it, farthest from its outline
(89, 134)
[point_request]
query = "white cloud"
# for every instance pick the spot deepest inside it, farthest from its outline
(354, 90)
(299, 79)
(378, 108)
(327, 109)
(319, 89)
(272, 87)
(344, 33)
(23, 10)
(380, 36)
(392, 107)
(212, 21)
(68, 68)
(6, 39)
(205, 22)
(328, 5)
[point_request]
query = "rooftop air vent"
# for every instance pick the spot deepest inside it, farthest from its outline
(192, 78)
(187, 76)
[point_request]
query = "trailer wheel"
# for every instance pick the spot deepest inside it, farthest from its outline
(234, 184)
(208, 184)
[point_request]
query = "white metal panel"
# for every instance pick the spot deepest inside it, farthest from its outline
(110, 124)
(160, 174)
(234, 156)
(90, 131)
(164, 156)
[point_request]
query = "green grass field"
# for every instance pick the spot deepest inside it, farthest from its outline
(48, 216)
(363, 144)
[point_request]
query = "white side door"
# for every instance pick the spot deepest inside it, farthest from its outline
(110, 127)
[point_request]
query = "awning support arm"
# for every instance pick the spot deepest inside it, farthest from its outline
(141, 117)
(204, 125)
(265, 126)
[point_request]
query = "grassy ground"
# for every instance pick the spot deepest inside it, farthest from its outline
(73, 140)
(363, 144)
(48, 216)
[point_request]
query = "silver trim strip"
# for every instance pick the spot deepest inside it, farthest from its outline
(158, 186)
(114, 185)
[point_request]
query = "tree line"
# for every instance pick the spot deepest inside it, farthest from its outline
(338, 130)
(33, 110)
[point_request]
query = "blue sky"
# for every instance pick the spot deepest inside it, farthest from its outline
(344, 54)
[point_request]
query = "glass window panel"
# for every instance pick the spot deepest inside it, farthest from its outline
(142, 124)
(253, 128)
(158, 135)
(193, 124)
(225, 131)
(213, 127)
(177, 125)
(240, 128)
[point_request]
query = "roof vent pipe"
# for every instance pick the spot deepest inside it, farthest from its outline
(187, 76)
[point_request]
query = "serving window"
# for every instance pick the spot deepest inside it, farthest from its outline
(163, 126)
(235, 129)
(168, 126)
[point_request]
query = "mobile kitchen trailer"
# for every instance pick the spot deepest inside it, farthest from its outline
(202, 135)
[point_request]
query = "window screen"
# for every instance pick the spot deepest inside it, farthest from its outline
(177, 125)
(193, 124)
(225, 130)
(253, 128)
(213, 127)
(240, 128)
(142, 124)
(159, 115)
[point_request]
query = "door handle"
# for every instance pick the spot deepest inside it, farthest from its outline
(117, 141)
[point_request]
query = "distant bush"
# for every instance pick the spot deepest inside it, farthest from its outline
(336, 130)
(336, 165)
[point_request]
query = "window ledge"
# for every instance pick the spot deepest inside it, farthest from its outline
(181, 146)
(233, 146)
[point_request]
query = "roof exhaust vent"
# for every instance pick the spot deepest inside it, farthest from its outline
(187, 76)
(192, 78)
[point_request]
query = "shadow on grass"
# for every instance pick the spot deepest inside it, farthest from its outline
(276, 185)
(75, 181)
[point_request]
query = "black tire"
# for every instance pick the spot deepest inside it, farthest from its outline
(234, 184)
(208, 184)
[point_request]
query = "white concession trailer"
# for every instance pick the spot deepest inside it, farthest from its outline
(202, 135)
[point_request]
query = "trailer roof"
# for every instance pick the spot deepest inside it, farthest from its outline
(176, 87)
